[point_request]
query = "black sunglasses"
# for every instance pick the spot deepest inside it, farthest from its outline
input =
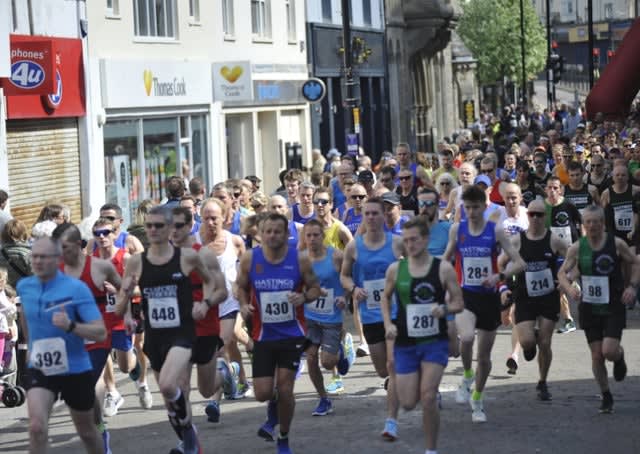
(155, 225)
(179, 225)
(358, 196)
(111, 218)
(321, 202)
(102, 233)
(535, 214)
(408, 177)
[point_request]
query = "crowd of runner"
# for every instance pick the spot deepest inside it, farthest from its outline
(507, 223)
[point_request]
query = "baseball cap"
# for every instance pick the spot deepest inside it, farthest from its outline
(391, 197)
(482, 179)
(580, 126)
(579, 149)
(333, 153)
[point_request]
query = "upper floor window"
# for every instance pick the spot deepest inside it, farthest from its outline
(608, 10)
(112, 7)
(155, 18)
(290, 6)
(366, 12)
(261, 18)
(227, 18)
(194, 10)
(326, 11)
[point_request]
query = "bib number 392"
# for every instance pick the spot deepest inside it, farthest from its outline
(164, 313)
(50, 356)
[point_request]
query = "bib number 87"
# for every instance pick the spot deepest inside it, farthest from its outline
(48, 359)
(164, 314)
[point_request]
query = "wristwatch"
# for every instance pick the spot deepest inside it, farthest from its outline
(71, 327)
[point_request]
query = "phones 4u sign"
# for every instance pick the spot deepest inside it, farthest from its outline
(32, 67)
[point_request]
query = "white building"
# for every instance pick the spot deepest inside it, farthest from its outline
(575, 11)
(188, 87)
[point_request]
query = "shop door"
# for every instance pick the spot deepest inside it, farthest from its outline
(44, 166)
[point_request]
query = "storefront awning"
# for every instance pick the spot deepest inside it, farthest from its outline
(619, 84)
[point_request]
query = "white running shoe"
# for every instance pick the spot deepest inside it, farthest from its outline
(477, 411)
(464, 390)
(112, 402)
(146, 399)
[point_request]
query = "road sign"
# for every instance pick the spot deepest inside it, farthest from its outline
(314, 90)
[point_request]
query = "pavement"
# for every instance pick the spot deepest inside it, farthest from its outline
(517, 422)
(564, 94)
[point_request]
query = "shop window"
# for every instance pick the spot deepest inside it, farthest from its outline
(199, 147)
(155, 18)
(290, 6)
(161, 157)
(261, 19)
(121, 164)
(227, 18)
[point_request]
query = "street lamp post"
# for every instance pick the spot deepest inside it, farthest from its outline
(549, 77)
(351, 99)
(590, 33)
(522, 52)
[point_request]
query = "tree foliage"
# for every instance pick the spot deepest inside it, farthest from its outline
(491, 31)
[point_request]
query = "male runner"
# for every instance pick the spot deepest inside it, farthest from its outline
(60, 314)
(162, 273)
(273, 283)
(596, 259)
(475, 244)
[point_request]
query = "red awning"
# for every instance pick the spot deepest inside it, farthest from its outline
(619, 84)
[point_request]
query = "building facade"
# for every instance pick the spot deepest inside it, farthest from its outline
(330, 123)
(162, 87)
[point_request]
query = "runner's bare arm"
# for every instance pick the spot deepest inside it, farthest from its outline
(311, 283)
(385, 302)
(625, 253)
(134, 246)
(243, 284)
(132, 273)
(451, 245)
(569, 266)
(517, 264)
(450, 283)
(217, 289)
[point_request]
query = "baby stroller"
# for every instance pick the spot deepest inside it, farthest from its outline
(12, 396)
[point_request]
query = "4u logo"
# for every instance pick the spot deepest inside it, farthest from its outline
(27, 74)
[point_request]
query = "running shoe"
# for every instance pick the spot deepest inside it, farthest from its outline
(335, 386)
(145, 397)
(191, 444)
(112, 402)
(283, 446)
(228, 379)
(477, 411)
(543, 391)
(620, 368)
(324, 407)
(464, 390)
(606, 404)
(134, 375)
(349, 351)
(244, 390)
(213, 411)
(179, 449)
(390, 431)
(512, 365)
(363, 350)
(567, 327)
(267, 430)
(343, 362)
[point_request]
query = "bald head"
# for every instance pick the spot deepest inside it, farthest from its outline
(537, 205)
(278, 204)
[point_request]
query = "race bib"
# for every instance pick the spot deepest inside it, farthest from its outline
(623, 218)
(374, 289)
(420, 322)
(476, 270)
(595, 289)
(539, 283)
(323, 305)
(50, 356)
(164, 313)
(275, 307)
(111, 303)
(564, 233)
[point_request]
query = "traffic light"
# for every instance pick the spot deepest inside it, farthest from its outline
(556, 64)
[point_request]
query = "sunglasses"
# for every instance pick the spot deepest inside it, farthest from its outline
(111, 218)
(426, 203)
(535, 214)
(385, 180)
(179, 225)
(487, 171)
(447, 183)
(102, 233)
(155, 225)
(406, 178)
(237, 194)
(321, 202)
(358, 196)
